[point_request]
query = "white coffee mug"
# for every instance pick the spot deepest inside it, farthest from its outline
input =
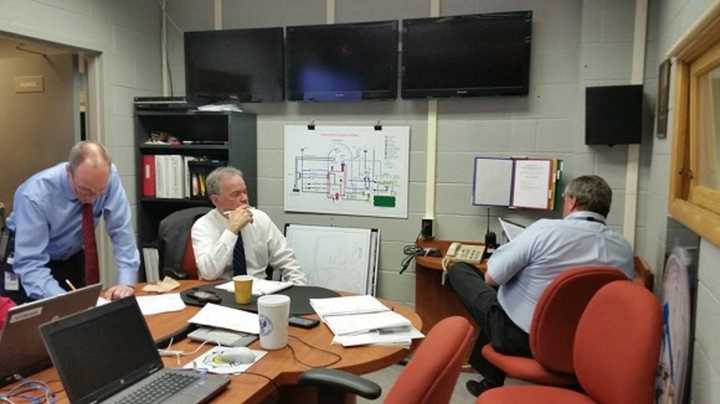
(273, 312)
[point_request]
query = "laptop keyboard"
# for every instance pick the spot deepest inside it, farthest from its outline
(159, 389)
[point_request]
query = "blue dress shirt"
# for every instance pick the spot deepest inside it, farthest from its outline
(527, 264)
(47, 221)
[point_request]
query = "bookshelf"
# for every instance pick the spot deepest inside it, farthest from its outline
(213, 136)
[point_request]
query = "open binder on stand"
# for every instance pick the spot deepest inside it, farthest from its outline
(517, 182)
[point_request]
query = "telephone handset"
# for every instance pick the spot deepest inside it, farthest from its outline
(458, 252)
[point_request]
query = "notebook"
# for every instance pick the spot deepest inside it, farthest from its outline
(22, 352)
(510, 229)
(107, 355)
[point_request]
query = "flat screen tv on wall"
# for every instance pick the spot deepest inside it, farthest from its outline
(342, 62)
(467, 55)
(244, 65)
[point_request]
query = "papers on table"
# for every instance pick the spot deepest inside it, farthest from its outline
(379, 338)
(160, 303)
(334, 306)
(361, 323)
(213, 362)
(213, 315)
(260, 287)
(363, 320)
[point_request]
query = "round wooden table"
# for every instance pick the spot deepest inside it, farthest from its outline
(280, 366)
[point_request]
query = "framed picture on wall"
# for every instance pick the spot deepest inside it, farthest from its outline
(663, 99)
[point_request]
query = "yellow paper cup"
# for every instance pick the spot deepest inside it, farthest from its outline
(243, 289)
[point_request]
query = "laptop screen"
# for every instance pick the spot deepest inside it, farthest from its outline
(101, 351)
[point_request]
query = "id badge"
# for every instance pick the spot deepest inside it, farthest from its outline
(12, 283)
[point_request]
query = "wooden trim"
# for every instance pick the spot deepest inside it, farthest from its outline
(702, 221)
(698, 40)
(678, 160)
(706, 198)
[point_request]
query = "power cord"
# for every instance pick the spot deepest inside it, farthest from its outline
(24, 391)
(338, 358)
(411, 251)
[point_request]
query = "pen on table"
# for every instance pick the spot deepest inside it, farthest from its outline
(72, 287)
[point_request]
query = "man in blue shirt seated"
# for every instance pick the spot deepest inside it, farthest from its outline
(523, 268)
(53, 221)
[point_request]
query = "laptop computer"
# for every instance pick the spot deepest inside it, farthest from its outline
(510, 229)
(22, 351)
(108, 355)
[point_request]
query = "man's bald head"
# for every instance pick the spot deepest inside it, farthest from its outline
(90, 153)
(88, 170)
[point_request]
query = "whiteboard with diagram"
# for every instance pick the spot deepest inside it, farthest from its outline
(347, 170)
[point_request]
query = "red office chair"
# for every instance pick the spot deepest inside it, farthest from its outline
(552, 330)
(429, 377)
(617, 346)
(188, 263)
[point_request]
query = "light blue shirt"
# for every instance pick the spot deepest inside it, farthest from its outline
(527, 264)
(47, 221)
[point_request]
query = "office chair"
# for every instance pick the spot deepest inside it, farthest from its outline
(553, 326)
(176, 252)
(429, 377)
(616, 351)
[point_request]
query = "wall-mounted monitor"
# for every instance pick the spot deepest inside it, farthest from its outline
(613, 114)
(244, 65)
(467, 55)
(342, 61)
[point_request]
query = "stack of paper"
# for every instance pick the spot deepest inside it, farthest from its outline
(260, 286)
(213, 315)
(363, 320)
(160, 303)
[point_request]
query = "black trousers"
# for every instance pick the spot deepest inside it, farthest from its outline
(71, 269)
(495, 327)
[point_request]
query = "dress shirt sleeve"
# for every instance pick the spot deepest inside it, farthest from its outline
(116, 211)
(212, 253)
(512, 257)
(32, 236)
(282, 258)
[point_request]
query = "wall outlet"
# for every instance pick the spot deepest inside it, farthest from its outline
(426, 229)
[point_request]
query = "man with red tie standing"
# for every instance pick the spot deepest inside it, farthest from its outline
(53, 222)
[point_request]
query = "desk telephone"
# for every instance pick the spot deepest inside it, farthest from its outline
(458, 252)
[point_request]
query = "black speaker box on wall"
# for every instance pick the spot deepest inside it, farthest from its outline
(613, 114)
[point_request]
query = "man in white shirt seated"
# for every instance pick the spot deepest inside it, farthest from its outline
(524, 267)
(236, 239)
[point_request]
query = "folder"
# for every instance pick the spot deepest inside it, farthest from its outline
(148, 170)
(516, 182)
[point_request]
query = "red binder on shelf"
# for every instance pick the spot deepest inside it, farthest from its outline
(148, 170)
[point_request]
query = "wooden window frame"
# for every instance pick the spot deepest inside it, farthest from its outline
(696, 54)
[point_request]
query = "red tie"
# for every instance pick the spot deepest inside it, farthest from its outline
(91, 257)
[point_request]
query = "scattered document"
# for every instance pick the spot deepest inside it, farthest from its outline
(166, 285)
(213, 362)
(260, 286)
(334, 306)
(379, 338)
(386, 321)
(213, 315)
(160, 303)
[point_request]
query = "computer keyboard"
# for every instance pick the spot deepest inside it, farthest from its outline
(159, 389)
